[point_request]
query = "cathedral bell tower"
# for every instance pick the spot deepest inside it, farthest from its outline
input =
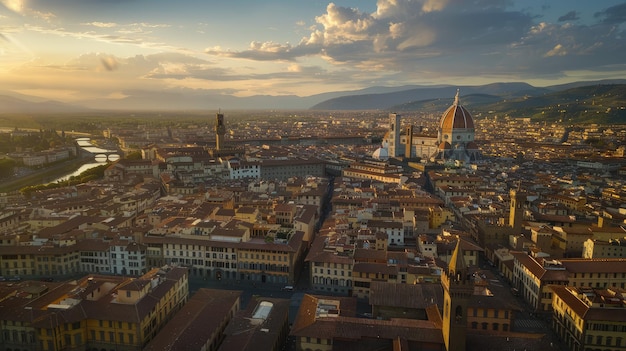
(458, 288)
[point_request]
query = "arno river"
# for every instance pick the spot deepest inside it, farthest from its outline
(86, 145)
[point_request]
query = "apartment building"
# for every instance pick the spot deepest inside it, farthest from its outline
(587, 318)
(283, 169)
(95, 312)
(117, 256)
(39, 260)
(232, 254)
(604, 249)
(534, 276)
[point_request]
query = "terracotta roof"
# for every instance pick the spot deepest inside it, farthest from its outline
(417, 296)
(456, 117)
(595, 265)
(247, 333)
(381, 268)
(350, 330)
(192, 326)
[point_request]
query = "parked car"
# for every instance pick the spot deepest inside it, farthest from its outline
(288, 288)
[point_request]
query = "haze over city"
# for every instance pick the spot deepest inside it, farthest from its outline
(94, 53)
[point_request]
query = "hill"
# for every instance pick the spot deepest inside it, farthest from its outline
(389, 101)
(579, 102)
(11, 104)
(602, 104)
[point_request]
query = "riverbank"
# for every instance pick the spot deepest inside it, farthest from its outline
(44, 175)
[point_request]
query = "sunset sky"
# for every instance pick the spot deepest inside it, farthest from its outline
(79, 50)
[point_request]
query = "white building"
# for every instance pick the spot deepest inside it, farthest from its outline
(127, 258)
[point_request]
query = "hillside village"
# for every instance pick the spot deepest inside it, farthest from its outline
(530, 235)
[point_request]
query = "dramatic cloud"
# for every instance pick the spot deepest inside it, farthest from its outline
(114, 47)
(479, 36)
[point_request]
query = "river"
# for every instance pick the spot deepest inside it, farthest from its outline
(86, 145)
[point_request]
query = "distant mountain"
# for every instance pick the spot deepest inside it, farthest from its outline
(600, 103)
(483, 98)
(389, 101)
(10, 104)
(579, 102)
(192, 100)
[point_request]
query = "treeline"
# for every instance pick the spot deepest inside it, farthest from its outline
(6, 167)
(86, 176)
(37, 141)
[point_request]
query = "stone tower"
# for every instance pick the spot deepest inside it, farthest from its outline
(394, 135)
(458, 287)
(516, 210)
(220, 130)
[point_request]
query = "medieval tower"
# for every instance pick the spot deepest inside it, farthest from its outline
(220, 130)
(516, 210)
(458, 287)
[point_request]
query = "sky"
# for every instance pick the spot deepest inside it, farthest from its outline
(82, 50)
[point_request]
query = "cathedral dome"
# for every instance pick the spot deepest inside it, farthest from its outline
(456, 117)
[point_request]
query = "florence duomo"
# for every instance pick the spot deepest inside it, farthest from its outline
(454, 140)
(371, 175)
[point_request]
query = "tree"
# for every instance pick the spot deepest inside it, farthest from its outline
(6, 167)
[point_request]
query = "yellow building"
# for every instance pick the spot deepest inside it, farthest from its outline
(96, 312)
(437, 216)
(590, 319)
(38, 260)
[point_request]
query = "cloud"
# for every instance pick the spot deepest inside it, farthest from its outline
(613, 15)
(422, 38)
(570, 16)
(557, 50)
(101, 24)
(18, 6)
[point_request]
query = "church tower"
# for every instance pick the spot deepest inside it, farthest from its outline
(394, 135)
(516, 210)
(220, 130)
(458, 288)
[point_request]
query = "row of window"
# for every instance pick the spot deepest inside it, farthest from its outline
(600, 340)
(494, 326)
(321, 271)
(495, 313)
